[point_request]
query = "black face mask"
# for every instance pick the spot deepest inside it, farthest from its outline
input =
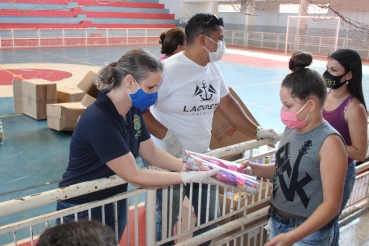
(333, 82)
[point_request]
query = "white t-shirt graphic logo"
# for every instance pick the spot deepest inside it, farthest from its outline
(205, 93)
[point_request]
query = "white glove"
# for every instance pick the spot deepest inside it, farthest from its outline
(172, 144)
(267, 133)
(203, 177)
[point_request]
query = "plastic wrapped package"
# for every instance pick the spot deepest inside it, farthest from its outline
(219, 162)
(239, 180)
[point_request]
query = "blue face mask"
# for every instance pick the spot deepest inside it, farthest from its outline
(142, 100)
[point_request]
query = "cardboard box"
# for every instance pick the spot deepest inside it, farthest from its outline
(234, 157)
(224, 132)
(186, 208)
(228, 207)
(69, 94)
(87, 84)
(87, 100)
(36, 94)
(64, 116)
(17, 96)
(266, 190)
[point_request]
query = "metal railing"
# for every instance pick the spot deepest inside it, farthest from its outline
(360, 195)
(318, 45)
(20, 38)
(35, 225)
(241, 219)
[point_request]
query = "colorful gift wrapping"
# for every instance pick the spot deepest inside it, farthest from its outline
(227, 176)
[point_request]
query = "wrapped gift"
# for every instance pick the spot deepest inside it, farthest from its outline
(239, 180)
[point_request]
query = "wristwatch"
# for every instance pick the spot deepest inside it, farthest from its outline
(257, 129)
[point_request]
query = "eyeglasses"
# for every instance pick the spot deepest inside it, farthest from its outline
(207, 23)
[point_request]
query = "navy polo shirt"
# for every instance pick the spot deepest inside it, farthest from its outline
(102, 135)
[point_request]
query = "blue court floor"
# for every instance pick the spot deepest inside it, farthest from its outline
(34, 157)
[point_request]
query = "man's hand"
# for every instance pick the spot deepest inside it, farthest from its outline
(172, 144)
(267, 133)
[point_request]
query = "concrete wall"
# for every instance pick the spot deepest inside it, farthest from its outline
(268, 20)
(174, 7)
(233, 21)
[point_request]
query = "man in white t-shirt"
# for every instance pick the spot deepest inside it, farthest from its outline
(192, 88)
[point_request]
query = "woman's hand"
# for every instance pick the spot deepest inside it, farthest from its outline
(203, 177)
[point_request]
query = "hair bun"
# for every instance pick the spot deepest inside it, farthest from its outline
(299, 60)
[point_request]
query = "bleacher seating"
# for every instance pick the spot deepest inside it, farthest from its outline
(84, 13)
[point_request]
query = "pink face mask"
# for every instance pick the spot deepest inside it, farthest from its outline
(290, 119)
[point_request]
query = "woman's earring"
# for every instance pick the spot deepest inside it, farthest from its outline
(347, 81)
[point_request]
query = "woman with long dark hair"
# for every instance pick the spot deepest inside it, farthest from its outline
(346, 111)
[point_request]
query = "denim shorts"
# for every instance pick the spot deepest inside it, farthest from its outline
(278, 224)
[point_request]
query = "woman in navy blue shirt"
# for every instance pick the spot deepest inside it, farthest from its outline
(111, 133)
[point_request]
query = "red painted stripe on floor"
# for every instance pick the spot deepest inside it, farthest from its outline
(254, 61)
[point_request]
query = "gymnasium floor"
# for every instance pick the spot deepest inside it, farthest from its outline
(34, 157)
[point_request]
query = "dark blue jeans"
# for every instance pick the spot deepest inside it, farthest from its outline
(349, 186)
(97, 215)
